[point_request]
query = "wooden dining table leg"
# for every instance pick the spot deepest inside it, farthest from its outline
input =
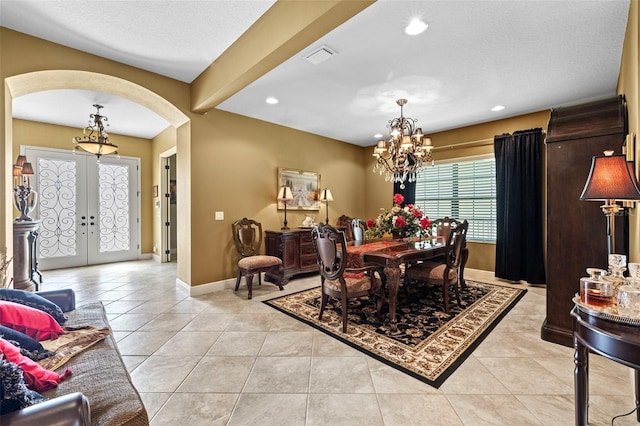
(393, 284)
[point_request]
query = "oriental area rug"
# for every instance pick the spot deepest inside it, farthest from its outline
(429, 344)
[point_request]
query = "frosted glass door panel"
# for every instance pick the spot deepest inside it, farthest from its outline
(88, 209)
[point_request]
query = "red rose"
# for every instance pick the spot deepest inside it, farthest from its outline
(371, 223)
(416, 213)
(398, 199)
(400, 222)
(425, 223)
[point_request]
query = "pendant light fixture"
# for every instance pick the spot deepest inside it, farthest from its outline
(95, 139)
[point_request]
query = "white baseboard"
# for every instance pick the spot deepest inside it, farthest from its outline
(207, 287)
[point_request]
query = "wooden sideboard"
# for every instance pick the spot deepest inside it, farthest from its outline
(295, 248)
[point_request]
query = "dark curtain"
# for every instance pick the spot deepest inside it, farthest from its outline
(519, 240)
(409, 192)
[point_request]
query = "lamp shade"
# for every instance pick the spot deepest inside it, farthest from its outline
(17, 170)
(611, 178)
(325, 195)
(27, 169)
(21, 160)
(285, 194)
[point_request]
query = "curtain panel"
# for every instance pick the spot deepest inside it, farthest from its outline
(519, 240)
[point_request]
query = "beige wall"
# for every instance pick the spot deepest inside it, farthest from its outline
(234, 170)
(629, 86)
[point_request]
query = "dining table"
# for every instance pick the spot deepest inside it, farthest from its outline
(391, 254)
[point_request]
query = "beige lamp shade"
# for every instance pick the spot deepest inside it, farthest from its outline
(325, 195)
(285, 194)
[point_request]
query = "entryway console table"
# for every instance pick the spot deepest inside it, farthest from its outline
(616, 341)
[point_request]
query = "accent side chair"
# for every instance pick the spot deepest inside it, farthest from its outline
(337, 280)
(247, 237)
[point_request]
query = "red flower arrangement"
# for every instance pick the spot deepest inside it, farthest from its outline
(408, 221)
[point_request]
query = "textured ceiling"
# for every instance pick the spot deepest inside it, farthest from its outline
(525, 55)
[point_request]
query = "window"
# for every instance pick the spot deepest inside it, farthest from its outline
(461, 190)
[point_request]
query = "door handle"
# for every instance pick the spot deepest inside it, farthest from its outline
(91, 223)
(83, 224)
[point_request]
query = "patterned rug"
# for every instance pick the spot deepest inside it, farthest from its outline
(429, 344)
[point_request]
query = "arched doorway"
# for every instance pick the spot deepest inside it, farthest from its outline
(23, 84)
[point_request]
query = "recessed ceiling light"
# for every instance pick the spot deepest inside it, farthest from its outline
(497, 108)
(377, 135)
(416, 26)
(271, 101)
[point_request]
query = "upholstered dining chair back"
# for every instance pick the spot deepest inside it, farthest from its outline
(344, 221)
(338, 281)
(447, 274)
(359, 228)
(329, 242)
(456, 243)
(247, 236)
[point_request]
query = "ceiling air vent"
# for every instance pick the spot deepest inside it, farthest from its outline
(320, 55)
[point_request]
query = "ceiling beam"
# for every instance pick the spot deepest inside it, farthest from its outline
(281, 32)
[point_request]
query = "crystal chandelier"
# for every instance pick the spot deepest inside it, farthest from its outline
(404, 153)
(94, 139)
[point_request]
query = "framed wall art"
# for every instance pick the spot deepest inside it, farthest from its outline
(305, 187)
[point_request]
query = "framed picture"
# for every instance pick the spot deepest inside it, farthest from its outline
(305, 187)
(155, 191)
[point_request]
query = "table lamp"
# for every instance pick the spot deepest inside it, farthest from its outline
(611, 179)
(285, 195)
(326, 196)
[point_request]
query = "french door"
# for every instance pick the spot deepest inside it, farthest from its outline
(88, 209)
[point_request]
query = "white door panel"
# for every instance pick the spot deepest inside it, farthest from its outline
(88, 209)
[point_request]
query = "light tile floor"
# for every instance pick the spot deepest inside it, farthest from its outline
(223, 359)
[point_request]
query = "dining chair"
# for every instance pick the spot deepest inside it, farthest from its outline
(338, 281)
(442, 228)
(247, 237)
(444, 274)
(358, 228)
(344, 221)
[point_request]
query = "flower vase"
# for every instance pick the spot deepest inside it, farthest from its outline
(399, 235)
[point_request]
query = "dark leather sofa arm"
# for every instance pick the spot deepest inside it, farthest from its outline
(68, 410)
(65, 298)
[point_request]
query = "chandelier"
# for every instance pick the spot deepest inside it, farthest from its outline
(94, 139)
(404, 153)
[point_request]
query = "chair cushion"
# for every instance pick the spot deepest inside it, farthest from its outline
(355, 283)
(431, 272)
(260, 261)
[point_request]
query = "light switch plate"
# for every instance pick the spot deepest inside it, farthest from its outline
(219, 215)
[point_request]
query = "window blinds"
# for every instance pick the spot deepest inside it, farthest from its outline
(461, 190)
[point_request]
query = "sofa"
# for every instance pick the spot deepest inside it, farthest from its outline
(99, 392)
